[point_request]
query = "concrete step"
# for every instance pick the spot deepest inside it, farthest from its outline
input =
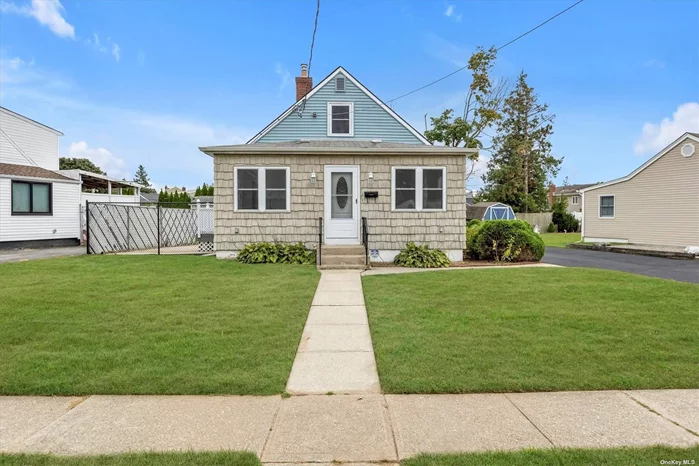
(342, 267)
(343, 250)
(344, 259)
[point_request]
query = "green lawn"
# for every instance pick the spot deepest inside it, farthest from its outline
(559, 240)
(532, 329)
(150, 325)
(562, 457)
(227, 458)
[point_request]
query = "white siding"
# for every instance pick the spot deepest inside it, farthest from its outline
(38, 144)
(65, 219)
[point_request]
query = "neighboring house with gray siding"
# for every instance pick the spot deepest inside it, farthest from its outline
(335, 160)
(658, 203)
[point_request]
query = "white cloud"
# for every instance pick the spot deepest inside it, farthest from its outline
(654, 137)
(284, 76)
(187, 131)
(109, 47)
(46, 12)
(116, 52)
(141, 57)
(112, 165)
(450, 12)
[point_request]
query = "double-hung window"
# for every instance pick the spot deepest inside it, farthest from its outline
(32, 198)
(606, 207)
(340, 119)
(576, 200)
(262, 189)
(419, 188)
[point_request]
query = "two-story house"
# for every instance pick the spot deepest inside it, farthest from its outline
(40, 205)
(341, 168)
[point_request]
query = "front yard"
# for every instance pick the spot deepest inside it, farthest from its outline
(532, 329)
(150, 325)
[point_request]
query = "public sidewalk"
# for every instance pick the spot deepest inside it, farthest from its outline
(336, 354)
(348, 428)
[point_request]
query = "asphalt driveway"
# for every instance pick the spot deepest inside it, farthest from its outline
(673, 269)
(18, 255)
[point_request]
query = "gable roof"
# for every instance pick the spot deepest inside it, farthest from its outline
(29, 120)
(672, 145)
(361, 87)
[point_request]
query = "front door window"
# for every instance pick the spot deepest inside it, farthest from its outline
(341, 205)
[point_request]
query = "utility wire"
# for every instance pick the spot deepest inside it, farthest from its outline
(498, 49)
(313, 39)
(300, 108)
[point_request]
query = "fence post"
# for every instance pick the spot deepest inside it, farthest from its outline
(198, 218)
(87, 226)
(158, 210)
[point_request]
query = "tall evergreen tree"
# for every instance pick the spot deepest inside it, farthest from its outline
(521, 162)
(141, 177)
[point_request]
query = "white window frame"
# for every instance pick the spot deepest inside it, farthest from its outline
(599, 206)
(262, 189)
(418, 188)
(575, 200)
(344, 83)
(351, 119)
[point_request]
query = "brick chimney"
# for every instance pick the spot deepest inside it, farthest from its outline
(552, 190)
(304, 83)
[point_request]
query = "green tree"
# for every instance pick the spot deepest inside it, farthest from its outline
(197, 192)
(68, 163)
(141, 177)
(482, 108)
(521, 162)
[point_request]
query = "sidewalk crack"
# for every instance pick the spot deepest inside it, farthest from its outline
(530, 421)
(390, 425)
(271, 428)
(658, 414)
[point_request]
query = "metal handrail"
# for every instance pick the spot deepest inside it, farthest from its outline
(365, 239)
(320, 240)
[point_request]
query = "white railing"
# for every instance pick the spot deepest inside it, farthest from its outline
(205, 218)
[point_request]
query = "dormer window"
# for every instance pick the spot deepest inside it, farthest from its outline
(340, 119)
(339, 84)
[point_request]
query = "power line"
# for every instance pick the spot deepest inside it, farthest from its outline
(313, 40)
(498, 49)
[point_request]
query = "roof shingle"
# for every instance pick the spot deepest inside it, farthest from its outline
(28, 171)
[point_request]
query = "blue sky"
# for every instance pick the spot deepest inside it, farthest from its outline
(147, 82)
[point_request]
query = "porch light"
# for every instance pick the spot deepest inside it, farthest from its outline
(313, 177)
(371, 177)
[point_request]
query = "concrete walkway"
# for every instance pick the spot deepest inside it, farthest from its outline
(336, 355)
(348, 428)
(20, 255)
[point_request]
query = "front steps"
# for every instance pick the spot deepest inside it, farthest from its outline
(343, 258)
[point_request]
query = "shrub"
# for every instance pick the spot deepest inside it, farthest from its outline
(505, 241)
(421, 256)
(565, 222)
(473, 222)
(276, 253)
(551, 228)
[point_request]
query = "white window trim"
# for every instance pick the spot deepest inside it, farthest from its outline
(351, 119)
(599, 206)
(344, 80)
(418, 189)
(575, 200)
(262, 189)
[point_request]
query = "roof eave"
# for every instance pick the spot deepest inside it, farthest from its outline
(261, 150)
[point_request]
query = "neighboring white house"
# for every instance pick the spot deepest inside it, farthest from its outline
(39, 204)
(658, 203)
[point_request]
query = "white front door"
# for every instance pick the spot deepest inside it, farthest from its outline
(341, 204)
